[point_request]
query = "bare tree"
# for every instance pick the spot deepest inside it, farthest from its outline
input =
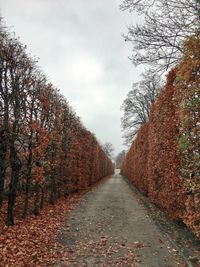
(137, 105)
(16, 72)
(158, 40)
(119, 158)
(108, 148)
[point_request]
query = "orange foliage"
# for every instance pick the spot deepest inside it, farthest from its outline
(163, 160)
(33, 241)
(87, 162)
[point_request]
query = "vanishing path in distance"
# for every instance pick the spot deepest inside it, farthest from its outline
(111, 228)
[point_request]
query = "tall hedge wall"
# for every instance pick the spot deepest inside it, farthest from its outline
(164, 159)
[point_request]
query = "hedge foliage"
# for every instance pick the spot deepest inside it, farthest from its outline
(164, 160)
(45, 151)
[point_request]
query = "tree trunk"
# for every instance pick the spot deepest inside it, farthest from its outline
(3, 151)
(42, 198)
(16, 166)
(53, 188)
(36, 199)
(27, 185)
(26, 199)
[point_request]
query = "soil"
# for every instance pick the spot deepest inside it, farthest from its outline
(115, 225)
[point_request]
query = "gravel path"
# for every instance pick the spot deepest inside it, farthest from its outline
(111, 228)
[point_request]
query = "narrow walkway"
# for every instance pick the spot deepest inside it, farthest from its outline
(111, 228)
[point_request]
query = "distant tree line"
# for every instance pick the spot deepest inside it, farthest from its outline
(119, 159)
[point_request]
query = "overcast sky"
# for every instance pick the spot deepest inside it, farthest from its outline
(82, 52)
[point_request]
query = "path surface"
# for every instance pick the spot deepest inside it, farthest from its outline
(111, 228)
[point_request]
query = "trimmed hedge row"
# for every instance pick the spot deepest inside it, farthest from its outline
(45, 151)
(164, 160)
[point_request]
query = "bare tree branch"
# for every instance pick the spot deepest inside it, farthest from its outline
(158, 41)
(137, 105)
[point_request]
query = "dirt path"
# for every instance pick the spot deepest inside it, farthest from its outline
(111, 228)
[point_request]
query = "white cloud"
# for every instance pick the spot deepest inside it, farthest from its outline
(85, 69)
